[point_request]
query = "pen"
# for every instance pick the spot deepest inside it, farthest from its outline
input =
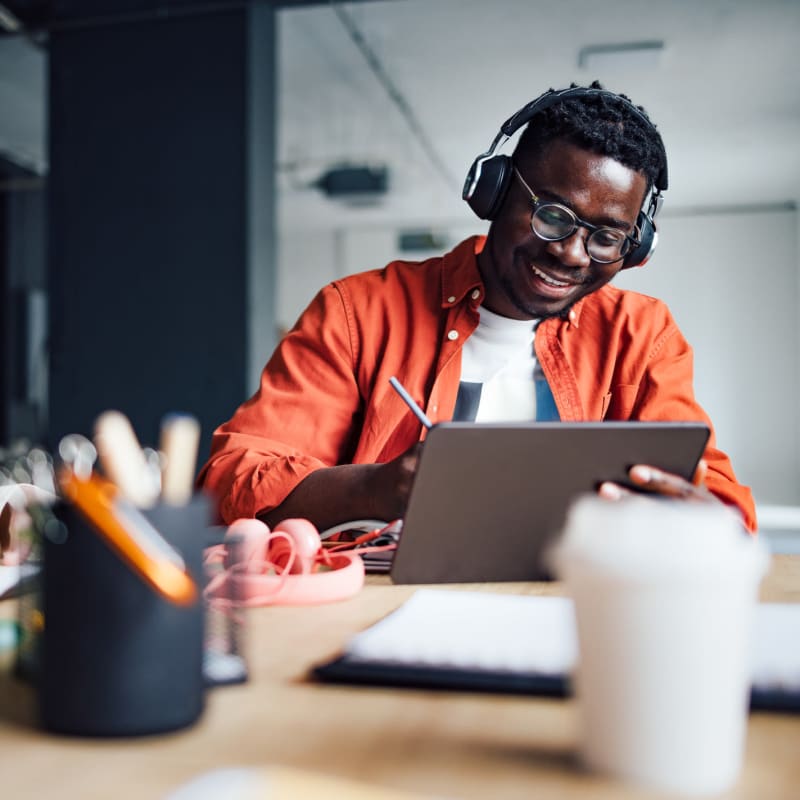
(410, 402)
(180, 434)
(122, 458)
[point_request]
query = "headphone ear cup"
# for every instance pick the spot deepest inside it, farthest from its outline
(303, 540)
(648, 239)
(246, 543)
(490, 189)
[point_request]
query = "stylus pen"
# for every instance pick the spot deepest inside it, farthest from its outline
(410, 402)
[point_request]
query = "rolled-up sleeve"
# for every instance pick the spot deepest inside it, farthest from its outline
(299, 420)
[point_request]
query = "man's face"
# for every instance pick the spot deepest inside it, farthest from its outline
(528, 278)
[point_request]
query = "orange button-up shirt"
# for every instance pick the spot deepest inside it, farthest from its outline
(325, 397)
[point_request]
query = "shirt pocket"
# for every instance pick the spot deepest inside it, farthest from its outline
(618, 404)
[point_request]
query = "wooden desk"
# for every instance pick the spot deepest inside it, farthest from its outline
(449, 744)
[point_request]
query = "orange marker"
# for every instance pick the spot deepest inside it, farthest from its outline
(131, 535)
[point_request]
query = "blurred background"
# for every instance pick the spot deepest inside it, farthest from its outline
(177, 179)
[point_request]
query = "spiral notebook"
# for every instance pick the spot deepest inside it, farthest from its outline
(470, 641)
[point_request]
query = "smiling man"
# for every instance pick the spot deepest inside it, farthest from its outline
(518, 325)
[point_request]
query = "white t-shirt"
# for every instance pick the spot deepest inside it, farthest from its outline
(501, 379)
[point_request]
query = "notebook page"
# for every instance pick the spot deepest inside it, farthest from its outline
(473, 630)
(480, 631)
(776, 647)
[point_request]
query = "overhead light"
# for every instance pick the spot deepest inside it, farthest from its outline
(354, 184)
(601, 58)
(421, 241)
(8, 21)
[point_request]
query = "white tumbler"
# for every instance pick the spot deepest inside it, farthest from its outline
(665, 593)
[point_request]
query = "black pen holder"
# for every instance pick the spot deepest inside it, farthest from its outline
(118, 658)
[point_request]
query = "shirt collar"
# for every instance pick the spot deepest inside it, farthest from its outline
(460, 273)
(461, 277)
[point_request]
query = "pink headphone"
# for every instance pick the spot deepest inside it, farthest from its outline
(286, 566)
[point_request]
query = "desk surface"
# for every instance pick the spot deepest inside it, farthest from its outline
(449, 744)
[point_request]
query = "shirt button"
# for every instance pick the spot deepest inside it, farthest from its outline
(435, 409)
(451, 299)
(476, 293)
(452, 335)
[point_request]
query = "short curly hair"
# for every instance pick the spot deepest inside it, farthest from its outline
(601, 123)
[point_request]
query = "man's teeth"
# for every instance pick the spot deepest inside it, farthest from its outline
(548, 279)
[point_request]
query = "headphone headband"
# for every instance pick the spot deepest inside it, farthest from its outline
(553, 96)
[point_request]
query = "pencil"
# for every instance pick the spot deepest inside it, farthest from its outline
(410, 402)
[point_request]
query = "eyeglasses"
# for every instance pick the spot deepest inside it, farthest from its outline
(554, 222)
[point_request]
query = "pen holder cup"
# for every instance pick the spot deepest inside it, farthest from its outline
(118, 658)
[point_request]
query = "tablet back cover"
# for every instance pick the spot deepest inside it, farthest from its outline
(489, 498)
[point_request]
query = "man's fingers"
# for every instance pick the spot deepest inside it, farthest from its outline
(665, 483)
(699, 478)
(612, 491)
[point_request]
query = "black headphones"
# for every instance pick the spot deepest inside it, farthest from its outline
(489, 176)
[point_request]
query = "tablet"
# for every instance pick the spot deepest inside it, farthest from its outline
(489, 498)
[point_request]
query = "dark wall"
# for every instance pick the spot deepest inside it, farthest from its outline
(150, 208)
(5, 324)
(23, 307)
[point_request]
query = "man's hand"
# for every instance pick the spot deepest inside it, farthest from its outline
(663, 483)
(350, 492)
(390, 484)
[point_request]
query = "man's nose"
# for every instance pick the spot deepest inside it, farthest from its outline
(571, 252)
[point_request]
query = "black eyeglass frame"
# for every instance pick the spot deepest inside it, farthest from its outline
(577, 222)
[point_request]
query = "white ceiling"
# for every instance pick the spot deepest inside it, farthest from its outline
(725, 95)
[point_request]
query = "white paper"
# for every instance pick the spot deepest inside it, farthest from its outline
(776, 650)
(474, 630)
(530, 634)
